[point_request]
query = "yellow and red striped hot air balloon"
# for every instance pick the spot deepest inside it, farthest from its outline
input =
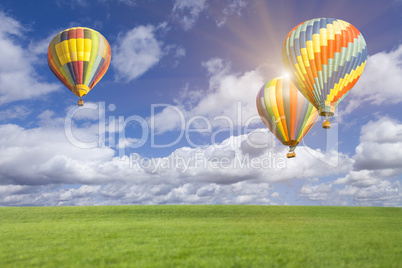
(79, 57)
(286, 112)
(325, 58)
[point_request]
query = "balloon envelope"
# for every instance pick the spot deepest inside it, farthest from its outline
(324, 58)
(79, 57)
(285, 111)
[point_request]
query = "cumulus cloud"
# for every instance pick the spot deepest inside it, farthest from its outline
(18, 78)
(43, 155)
(188, 11)
(123, 194)
(85, 3)
(374, 178)
(140, 49)
(10, 26)
(380, 81)
(130, 3)
(228, 102)
(135, 52)
(234, 7)
(38, 164)
(380, 145)
(381, 77)
(381, 193)
(16, 112)
(321, 192)
(40, 47)
(362, 178)
(72, 3)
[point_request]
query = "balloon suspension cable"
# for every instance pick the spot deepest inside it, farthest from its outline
(326, 124)
(80, 102)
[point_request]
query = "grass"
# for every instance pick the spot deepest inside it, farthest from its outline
(201, 236)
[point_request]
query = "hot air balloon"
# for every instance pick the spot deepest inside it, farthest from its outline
(286, 112)
(324, 58)
(79, 57)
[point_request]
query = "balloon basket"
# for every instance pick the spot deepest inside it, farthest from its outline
(80, 102)
(291, 155)
(326, 124)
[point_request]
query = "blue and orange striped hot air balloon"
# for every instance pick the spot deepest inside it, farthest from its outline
(324, 58)
(286, 112)
(79, 57)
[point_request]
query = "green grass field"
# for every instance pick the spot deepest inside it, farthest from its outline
(201, 236)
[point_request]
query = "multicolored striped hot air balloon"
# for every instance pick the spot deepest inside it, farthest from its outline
(79, 57)
(286, 112)
(324, 58)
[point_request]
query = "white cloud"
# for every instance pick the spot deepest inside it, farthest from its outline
(38, 48)
(72, 3)
(362, 178)
(234, 7)
(188, 11)
(43, 155)
(318, 192)
(170, 118)
(16, 112)
(9, 26)
(135, 52)
(18, 79)
(122, 194)
(381, 193)
(84, 3)
(380, 145)
(384, 193)
(375, 176)
(209, 175)
(130, 3)
(275, 195)
(381, 78)
(140, 49)
(180, 52)
(229, 95)
(35, 163)
(380, 83)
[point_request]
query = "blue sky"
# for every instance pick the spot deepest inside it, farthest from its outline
(173, 121)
